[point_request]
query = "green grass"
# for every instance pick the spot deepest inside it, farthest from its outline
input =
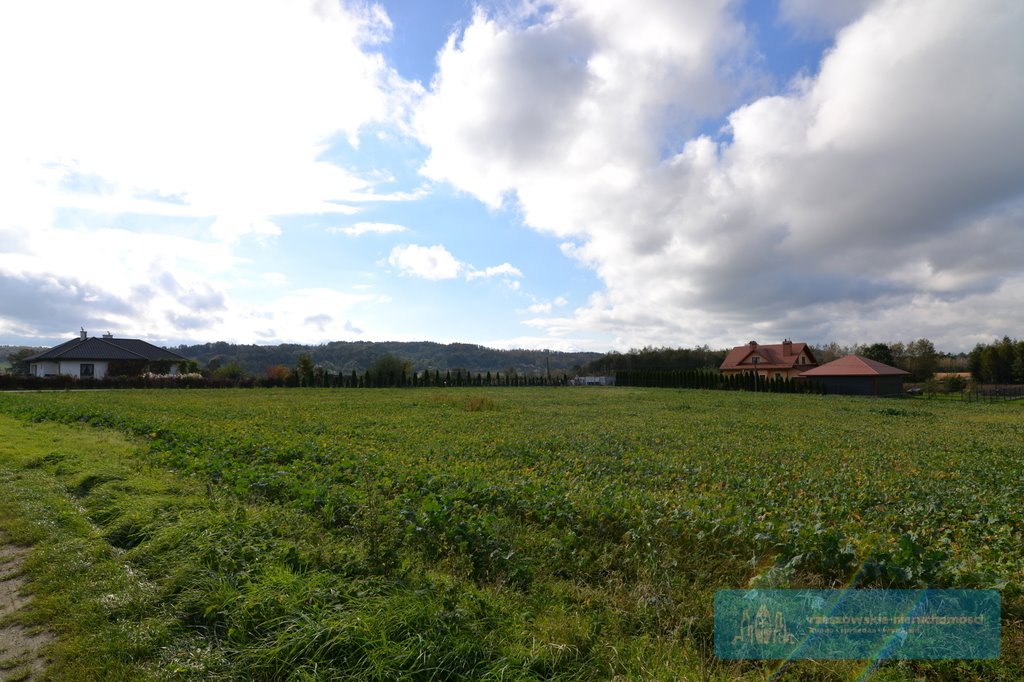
(503, 534)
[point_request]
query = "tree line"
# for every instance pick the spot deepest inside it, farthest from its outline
(999, 362)
(661, 359)
(340, 357)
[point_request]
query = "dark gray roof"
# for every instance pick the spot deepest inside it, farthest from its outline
(93, 348)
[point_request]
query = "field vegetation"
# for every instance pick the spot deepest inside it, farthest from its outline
(493, 534)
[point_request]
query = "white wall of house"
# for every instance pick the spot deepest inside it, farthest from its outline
(44, 367)
(74, 368)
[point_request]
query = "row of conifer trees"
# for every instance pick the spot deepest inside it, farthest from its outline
(712, 380)
(426, 378)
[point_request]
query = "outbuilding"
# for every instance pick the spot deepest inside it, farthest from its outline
(856, 375)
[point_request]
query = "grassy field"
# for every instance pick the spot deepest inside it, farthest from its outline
(494, 534)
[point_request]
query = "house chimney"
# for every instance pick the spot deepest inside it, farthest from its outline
(83, 335)
(787, 347)
(753, 344)
(108, 335)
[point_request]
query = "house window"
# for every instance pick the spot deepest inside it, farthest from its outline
(778, 375)
(86, 371)
(32, 369)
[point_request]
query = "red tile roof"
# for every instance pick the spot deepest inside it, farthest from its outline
(773, 356)
(853, 366)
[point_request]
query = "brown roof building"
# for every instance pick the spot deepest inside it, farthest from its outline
(856, 375)
(784, 360)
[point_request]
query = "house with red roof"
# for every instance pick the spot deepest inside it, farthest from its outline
(88, 357)
(856, 375)
(786, 360)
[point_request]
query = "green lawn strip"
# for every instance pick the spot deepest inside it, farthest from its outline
(83, 591)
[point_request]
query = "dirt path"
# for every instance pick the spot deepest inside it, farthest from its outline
(20, 647)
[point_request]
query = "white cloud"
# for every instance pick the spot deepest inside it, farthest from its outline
(830, 211)
(584, 82)
(545, 307)
(275, 278)
(437, 263)
(226, 105)
(369, 228)
(429, 262)
(505, 269)
(231, 229)
(312, 315)
(198, 124)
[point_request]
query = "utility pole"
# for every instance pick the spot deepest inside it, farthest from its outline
(756, 359)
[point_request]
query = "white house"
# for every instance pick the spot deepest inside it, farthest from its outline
(594, 381)
(88, 357)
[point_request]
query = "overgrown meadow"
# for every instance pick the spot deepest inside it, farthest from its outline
(527, 533)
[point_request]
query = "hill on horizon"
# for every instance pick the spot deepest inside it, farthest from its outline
(347, 356)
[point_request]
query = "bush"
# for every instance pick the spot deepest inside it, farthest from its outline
(955, 384)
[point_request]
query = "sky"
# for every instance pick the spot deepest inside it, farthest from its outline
(571, 174)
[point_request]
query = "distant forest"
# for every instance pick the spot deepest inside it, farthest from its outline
(358, 356)
(658, 359)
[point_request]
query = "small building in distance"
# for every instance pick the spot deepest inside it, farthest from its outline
(593, 381)
(784, 360)
(88, 357)
(856, 375)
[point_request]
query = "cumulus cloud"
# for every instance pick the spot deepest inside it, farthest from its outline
(369, 228)
(197, 125)
(229, 130)
(505, 269)
(275, 278)
(232, 229)
(545, 307)
(154, 284)
(581, 81)
(437, 263)
(320, 321)
(832, 207)
(429, 262)
(311, 315)
(46, 302)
